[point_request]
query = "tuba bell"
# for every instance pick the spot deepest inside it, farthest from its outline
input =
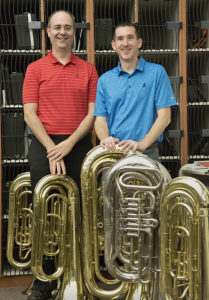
(132, 194)
(185, 240)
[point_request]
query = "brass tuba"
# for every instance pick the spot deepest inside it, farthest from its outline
(19, 243)
(98, 283)
(185, 240)
(50, 230)
(56, 234)
(132, 193)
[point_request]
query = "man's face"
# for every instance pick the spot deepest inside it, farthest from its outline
(61, 31)
(126, 44)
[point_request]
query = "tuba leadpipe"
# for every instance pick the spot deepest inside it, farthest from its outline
(185, 240)
(132, 193)
(20, 222)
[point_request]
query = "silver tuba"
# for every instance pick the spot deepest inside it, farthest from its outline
(131, 193)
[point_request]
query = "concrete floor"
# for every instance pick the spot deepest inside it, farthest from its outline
(17, 293)
(13, 293)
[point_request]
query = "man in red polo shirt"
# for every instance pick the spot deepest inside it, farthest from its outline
(58, 95)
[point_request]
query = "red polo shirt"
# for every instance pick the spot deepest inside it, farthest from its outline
(61, 91)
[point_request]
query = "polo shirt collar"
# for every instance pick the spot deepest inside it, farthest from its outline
(54, 60)
(139, 67)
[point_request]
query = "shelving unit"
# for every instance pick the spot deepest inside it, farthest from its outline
(198, 80)
(15, 56)
(159, 27)
(175, 34)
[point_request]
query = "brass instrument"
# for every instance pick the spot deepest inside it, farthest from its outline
(185, 240)
(120, 223)
(94, 165)
(131, 194)
(197, 171)
(56, 234)
(51, 229)
(20, 222)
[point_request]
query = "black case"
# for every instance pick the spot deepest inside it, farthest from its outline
(13, 136)
(6, 84)
(16, 80)
(103, 34)
(5, 197)
(26, 38)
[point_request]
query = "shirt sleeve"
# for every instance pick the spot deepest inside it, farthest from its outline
(92, 89)
(100, 105)
(31, 86)
(164, 96)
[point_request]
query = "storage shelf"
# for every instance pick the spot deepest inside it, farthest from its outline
(170, 157)
(19, 52)
(14, 161)
(12, 106)
(9, 272)
(198, 50)
(195, 157)
(198, 103)
(147, 51)
(160, 51)
(25, 52)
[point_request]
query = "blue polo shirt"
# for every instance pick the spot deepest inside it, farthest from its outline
(130, 101)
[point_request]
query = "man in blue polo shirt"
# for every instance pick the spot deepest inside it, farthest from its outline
(133, 100)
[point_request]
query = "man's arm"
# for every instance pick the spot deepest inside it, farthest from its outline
(32, 120)
(62, 149)
(162, 121)
(36, 126)
(102, 133)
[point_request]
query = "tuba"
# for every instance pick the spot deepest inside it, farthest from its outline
(56, 224)
(132, 194)
(19, 243)
(96, 162)
(185, 240)
(51, 230)
(119, 223)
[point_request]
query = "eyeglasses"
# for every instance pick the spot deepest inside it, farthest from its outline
(59, 27)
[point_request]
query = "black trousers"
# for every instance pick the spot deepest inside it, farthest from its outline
(39, 163)
(39, 167)
(153, 151)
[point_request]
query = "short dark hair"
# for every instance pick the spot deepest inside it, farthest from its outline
(61, 10)
(129, 24)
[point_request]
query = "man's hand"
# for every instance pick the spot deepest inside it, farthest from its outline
(130, 145)
(60, 150)
(57, 167)
(109, 143)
